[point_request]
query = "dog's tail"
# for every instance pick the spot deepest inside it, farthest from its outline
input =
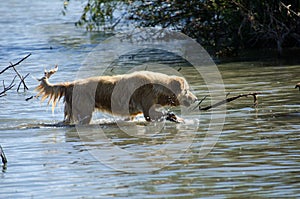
(52, 91)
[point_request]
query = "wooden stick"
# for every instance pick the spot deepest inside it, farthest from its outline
(255, 101)
(22, 81)
(11, 85)
(198, 105)
(13, 65)
(29, 98)
(4, 160)
(3, 93)
(21, 78)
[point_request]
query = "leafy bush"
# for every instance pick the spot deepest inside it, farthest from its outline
(223, 26)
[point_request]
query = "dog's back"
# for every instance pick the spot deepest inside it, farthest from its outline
(124, 95)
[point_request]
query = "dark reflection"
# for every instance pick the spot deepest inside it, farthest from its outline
(150, 55)
(146, 56)
(79, 39)
(4, 168)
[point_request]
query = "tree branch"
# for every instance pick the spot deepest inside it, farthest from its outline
(3, 158)
(22, 81)
(11, 85)
(255, 101)
(13, 65)
(289, 9)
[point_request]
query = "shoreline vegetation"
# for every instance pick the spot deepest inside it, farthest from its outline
(227, 29)
(265, 56)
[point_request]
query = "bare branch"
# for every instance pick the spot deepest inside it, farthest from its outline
(255, 101)
(198, 105)
(13, 65)
(5, 89)
(29, 98)
(290, 11)
(22, 81)
(11, 85)
(4, 160)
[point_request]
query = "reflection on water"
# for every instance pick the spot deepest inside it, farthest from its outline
(257, 154)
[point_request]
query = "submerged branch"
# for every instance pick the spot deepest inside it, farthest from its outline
(11, 85)
(255, 101)
(23, 82)
(3, 158)
(22, 79)
(198, 105)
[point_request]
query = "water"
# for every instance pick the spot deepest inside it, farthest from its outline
(257, 153)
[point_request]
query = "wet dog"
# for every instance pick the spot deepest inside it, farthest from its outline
(124, 95)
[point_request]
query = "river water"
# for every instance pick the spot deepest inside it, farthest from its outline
(256, 155)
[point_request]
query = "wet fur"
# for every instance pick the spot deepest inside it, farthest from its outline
(124, 95)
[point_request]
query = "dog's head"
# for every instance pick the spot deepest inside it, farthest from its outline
(181, 89)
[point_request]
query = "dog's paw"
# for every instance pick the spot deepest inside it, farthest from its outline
(170, 116)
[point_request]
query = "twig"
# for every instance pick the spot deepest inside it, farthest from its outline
(11, 85)
(255, 101)
(29, 98)
(117, 22)
(198, 105)
(18, 74)
(13, 65)
(21, 78)
(4, 160)
(22, 81)
(289, 9)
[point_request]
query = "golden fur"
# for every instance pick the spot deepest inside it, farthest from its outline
(124, 95)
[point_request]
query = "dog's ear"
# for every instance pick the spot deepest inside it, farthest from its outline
(47, 74)
(176, 85)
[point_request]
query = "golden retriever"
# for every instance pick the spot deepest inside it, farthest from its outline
(124, 95)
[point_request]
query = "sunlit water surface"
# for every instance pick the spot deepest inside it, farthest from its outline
(256, 155)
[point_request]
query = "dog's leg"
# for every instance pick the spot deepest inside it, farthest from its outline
(82, 113)
(150, 113)
(83, 102)
(68, 111)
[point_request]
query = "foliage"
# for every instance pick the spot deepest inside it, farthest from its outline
(223, 26)
(210, 22)
(270, 23)
(98, 14)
